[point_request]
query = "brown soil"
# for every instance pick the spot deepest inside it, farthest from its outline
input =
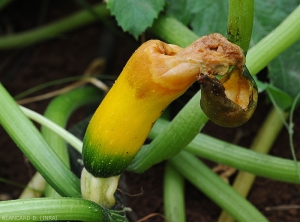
(69, 55)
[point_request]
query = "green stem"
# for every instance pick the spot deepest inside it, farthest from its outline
(49, 31)
(240, 22)
(217, 190)
(262, 143)
(52, 209)
(244, 159)
(32, 144)
(173, 195)
(58, 111)
(238, 157)
(281, 38)
(70, 138)
(291, 133)
(172, 31)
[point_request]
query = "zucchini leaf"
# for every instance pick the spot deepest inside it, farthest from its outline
(135, 16)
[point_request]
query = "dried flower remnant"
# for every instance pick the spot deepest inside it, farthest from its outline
(232, 100)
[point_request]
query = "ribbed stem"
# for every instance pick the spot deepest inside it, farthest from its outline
(238, 157)
(32, 144)
(172, 31)
(53, 29)
(262, 143)
(212, 185)
(52, 209)
(59, 110)
(240, 22)
(174, 206)
(281, 38)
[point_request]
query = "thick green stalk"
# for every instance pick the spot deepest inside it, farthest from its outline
(244, 159)
(59, 110)
(174, 206)
(238, 157)
(262, 143)
(52, 209)
(216, 189)
(240, 22)
(172, 31)
(281, 38)
(53, 29)
(32, 144)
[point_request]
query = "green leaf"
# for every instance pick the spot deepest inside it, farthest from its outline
(210, 16)
(283, 70)
(180, 10)
(135, 16)
(269, 14)
(281, 98)
(261, 86)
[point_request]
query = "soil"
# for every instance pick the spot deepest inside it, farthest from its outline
(69, 55)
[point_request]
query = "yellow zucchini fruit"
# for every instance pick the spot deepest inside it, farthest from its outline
(156, 74)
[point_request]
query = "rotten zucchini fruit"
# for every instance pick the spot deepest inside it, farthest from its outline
(156, 74)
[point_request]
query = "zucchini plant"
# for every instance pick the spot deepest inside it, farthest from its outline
(157, 73)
